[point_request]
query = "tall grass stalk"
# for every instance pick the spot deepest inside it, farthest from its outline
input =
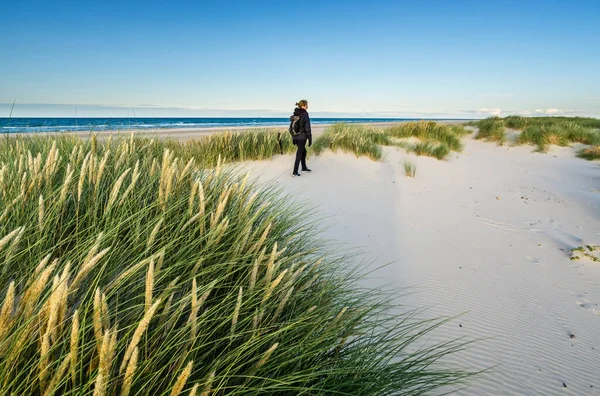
(102, 298)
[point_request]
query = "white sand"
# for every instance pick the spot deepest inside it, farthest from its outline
(487, 233)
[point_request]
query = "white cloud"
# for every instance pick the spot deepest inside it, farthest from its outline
(549, 111)
(495, 112)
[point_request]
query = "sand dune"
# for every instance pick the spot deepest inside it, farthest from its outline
(488, 234)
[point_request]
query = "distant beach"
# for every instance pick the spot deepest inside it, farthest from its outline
(37, 125)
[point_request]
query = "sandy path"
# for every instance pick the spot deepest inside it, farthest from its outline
(486, 234)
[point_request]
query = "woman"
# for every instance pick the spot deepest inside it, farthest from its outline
(301, 133)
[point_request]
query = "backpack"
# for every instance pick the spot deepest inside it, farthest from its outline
(295, 125)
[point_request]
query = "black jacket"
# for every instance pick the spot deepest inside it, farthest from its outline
(303, 124)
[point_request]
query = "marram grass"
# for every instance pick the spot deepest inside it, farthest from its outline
(435, 140)
(410, 168)
(590, 153)
(560, 134)
(358, 139)
(136, 267)
(541, 131)
(492, 129)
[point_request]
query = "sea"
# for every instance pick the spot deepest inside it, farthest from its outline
(30, 125)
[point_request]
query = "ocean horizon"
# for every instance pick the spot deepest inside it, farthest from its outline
(61, 124)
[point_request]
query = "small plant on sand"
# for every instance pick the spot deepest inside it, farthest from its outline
(492, 129)
(410, 168)
(590, 153)
(591, 252)
(136, 266)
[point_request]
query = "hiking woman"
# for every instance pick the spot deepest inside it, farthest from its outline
(301, 134)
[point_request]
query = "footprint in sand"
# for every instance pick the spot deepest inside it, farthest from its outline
(498, 224)
(534, 260)
(551, 229)
(588, 305)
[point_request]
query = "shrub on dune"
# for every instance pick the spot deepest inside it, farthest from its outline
(134, 267)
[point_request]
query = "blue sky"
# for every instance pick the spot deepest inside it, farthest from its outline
(257, 58)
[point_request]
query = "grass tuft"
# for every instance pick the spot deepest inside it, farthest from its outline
(492, 129)
(590, 153)
(410, 168)
(431, 149)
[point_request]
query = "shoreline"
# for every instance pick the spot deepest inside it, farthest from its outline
(185, 134)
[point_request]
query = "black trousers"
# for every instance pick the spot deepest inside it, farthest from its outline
(300, 154)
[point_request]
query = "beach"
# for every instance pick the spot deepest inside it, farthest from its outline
(482, 235)
(186, 134)
(486, 235)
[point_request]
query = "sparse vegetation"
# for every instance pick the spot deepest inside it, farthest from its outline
(139, 266)
(410, 169)
(591, 252)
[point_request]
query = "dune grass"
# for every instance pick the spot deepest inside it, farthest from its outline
(431, 149)
(542, 131)
(434, 140)
(448, 135)
(520, 122)
(138, 266)
(492, 129)
(560, 134)
(230, 146)
(590, 153)
(410, 168)
(358, 139)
